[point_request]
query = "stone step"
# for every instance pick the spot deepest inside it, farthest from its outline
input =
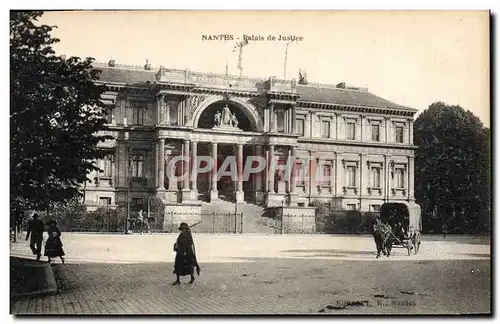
(253, 222)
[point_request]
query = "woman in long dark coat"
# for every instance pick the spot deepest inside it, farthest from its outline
(54, 246)
(185, 258)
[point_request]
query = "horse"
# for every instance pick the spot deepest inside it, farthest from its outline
(382, 233)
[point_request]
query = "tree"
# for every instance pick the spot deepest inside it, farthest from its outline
(55, 114)
(452, 166)
(156, 208)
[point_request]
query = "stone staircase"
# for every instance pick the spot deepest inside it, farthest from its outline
(253, 215)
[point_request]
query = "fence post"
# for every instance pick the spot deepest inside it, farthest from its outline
(282, 223)
(213, 222)
(241, 219)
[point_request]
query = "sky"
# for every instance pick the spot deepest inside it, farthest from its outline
(413, 58)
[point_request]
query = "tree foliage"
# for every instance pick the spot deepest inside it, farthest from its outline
(452, 166)
(55, 114)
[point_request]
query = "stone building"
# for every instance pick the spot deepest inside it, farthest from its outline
(361, 143)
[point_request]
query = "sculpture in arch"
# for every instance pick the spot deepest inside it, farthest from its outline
(225, 118)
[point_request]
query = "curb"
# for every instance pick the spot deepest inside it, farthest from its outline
(49, 281)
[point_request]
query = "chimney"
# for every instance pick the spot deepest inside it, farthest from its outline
(111, 63)
(341, 85)
(147, 66)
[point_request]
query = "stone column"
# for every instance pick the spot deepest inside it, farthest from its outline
(185, 194)
(271, 170)
(410, 131)
(258, 177)
(411, 180)
(160, 111)
(338, 176)
(386, 129)
(293, 174)
(266, 120)
(161, 172)
(361, 182)
(167, 114)
(172, 190)
(271, 117)
(194, 171)
(285, 121)
(313, 170)
(214, 193)
(239, 192)
(266, 171)
(292, 152)
(157, 164)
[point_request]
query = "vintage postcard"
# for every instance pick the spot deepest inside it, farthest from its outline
(250, 162)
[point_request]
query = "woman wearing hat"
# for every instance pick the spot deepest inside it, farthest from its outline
(185, 258)
(54, 246)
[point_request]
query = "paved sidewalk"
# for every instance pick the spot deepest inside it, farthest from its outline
(113, 274)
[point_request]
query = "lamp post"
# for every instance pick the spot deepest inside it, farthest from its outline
(149, 210)
(286, 57)
(129, 179)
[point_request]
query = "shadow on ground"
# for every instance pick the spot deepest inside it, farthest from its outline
(331, 252)
(266, 286)
(460, 239)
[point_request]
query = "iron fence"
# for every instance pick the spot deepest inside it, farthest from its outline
(156, 223)
(205, 222)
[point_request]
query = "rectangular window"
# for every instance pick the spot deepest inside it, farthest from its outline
(326, 176)
(301, 174)
(400, 178)
(399, 134)
(351, 206)
(351, 176)
(136, 204)
(105, 201)
(280, 120)
(138, 114)
(376, 208)
(300, 127)
(109, 114)
(137, 166)
(376, 133)
(351, 131)
(325, 129)
(106, 165)
(375, 177)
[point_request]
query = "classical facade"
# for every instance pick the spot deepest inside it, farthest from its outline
(362, 144)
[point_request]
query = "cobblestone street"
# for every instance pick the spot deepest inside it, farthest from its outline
(308, 274)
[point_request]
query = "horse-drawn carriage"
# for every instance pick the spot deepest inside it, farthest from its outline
(405, 220)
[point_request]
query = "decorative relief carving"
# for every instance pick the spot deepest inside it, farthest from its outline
(195, 101)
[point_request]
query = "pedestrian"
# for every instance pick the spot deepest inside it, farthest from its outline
(54, 246)
(35, 231)
(445, 230)
(140, 218)
(185, 258)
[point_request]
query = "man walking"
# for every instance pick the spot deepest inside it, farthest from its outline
(35, 228)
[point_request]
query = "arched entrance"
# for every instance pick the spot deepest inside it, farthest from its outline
(249, 118)
(215, 114)
(207, 117)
